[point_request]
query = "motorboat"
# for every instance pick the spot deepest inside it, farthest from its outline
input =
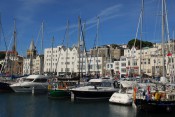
(97, 88)
(125, 94)
(159, 99)
(61, 88)
(6, 82)
(32, 83)
(5, 87)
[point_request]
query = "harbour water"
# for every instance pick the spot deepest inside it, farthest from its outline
(28, 105)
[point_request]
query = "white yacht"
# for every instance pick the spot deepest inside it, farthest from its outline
(125, 94)
(101, 88)
(35, 83)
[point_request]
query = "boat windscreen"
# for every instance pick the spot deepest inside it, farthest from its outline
(28, 80)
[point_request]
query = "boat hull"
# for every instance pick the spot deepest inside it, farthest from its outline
(155, 106)
(5, 87)
(59, 94)
(102, 95)
(123, 99)
(22, 89)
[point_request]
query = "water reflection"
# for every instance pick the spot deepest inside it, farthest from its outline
(122, 111)
(27, 105)
(152, 114)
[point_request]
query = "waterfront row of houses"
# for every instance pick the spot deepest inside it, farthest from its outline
(114, 60)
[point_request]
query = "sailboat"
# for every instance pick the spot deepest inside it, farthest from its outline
(100, 88)
(60, 87)
(125, 95)
(159, 98)
(5, 81)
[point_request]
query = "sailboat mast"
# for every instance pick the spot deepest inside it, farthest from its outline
(173, 61)
(14, 37)
(163, 51)
(67, 39)
(13, 48)
(2, 33)
(98, 20)
(52, 56)
(141, 34)
(42, 37)
(79, 23)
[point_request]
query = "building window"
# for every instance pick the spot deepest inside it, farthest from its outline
(117, 63)
(123, 59)
(67, 69)
(123, 70)
(91, 66)
(99, 67)
(148, 61)
(129, 63)
(67, 63)
(97, 60)
(123, 64)
(135, 62)
(148, 71)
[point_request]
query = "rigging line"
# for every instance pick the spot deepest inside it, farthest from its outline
(61, 48)
(80, 43)
(67, 39)
(6, 53)
(2, 31)
(137, 29)
(42, 37)
(94, 45)
(82, 27)
(141, 37)
(158, 7)
(167, 27)
(38, 34)
(97, 38)
(85, 49)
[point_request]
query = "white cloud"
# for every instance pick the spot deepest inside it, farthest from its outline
(110, 11)
(30, 4)
(28, 8)
(106, 14)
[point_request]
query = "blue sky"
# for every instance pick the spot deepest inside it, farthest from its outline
(118, 21)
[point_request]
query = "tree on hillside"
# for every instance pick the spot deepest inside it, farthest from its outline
(2, 56)
(137, 43)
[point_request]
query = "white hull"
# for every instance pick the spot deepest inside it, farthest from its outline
(121, 98)
(29, 89)
(33, 83)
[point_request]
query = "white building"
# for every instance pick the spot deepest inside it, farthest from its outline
(60, 60)
(148, 61)
(33, 63)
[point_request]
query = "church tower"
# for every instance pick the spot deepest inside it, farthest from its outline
(31, 52)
